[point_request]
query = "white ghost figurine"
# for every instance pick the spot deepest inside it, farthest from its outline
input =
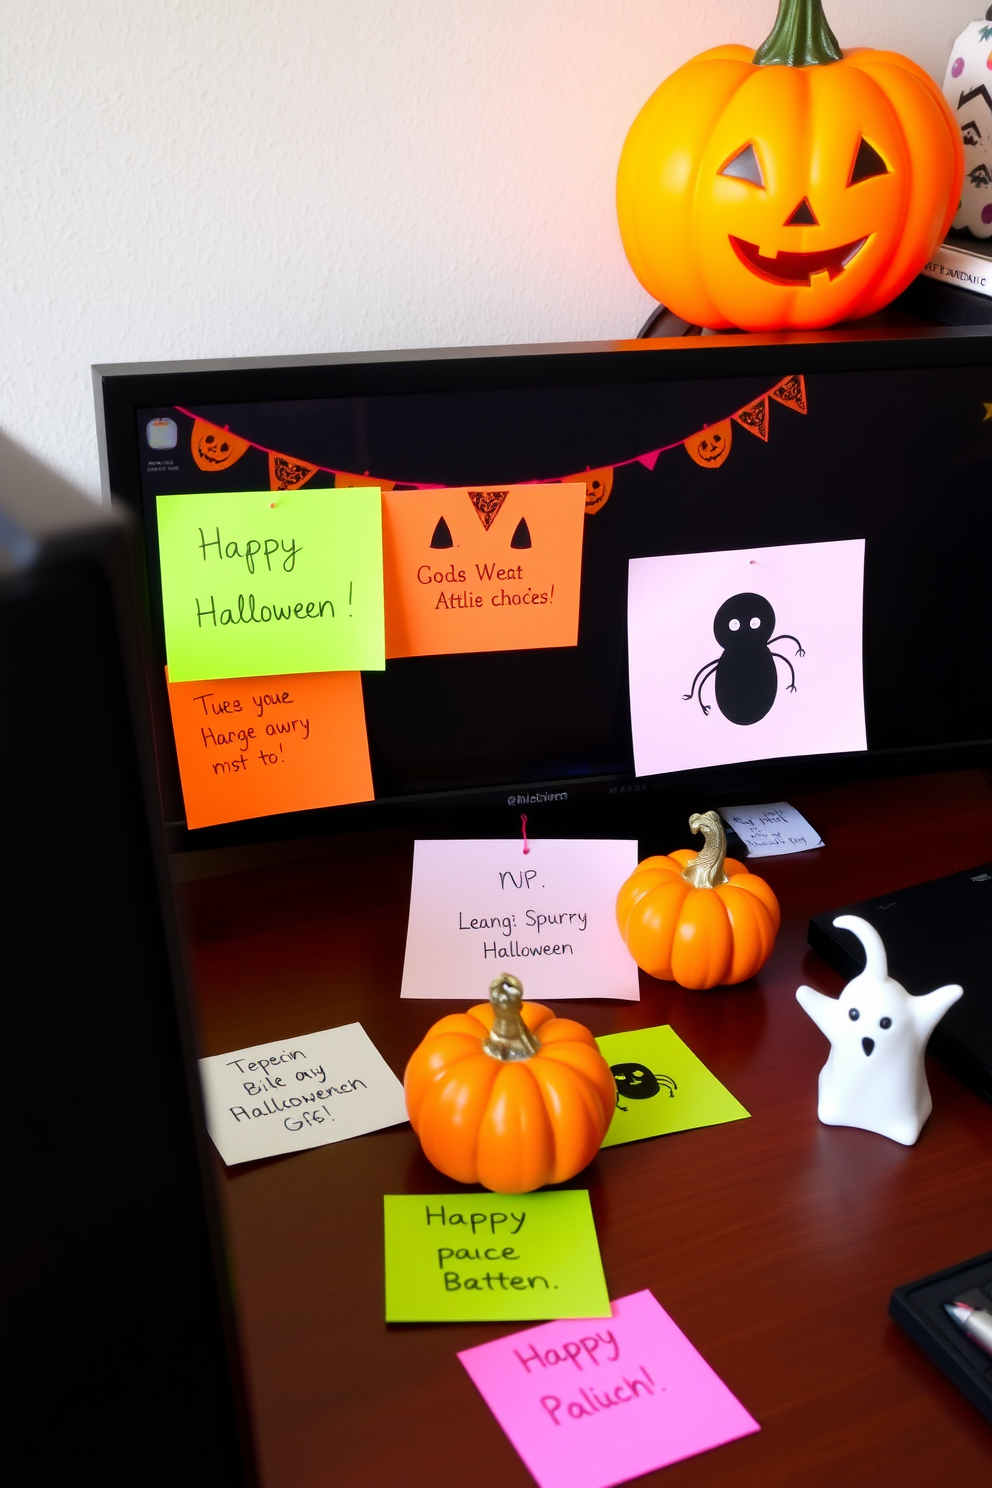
(874, 1076)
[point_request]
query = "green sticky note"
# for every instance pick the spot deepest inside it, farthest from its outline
(661, 1086)
(261, 583)
(454, 1258)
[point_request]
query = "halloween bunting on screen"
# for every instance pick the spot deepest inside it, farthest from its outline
(214, 448)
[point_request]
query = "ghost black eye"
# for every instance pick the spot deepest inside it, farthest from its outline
(885, 1022)
(854, 1015)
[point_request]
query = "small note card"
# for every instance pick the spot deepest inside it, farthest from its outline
(770, 831)
(548, 915)
(300, 1093)
(470, 1257)
(661, 1086)
(561, 1392)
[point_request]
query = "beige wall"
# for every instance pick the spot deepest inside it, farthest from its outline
(185, 178)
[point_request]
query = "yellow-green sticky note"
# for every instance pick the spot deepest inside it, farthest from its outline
(457, 1258)
(661, 1086)
(261, 583)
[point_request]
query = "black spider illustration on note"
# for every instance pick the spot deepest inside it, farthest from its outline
(746, 680)
(636, 1082)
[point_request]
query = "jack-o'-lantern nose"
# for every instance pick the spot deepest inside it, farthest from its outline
(803, 216)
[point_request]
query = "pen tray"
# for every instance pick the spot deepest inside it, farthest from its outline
(918, 1308)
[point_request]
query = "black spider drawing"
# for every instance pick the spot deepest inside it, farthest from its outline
(746, 679)
(636, 1082)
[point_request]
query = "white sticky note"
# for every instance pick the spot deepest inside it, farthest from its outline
(770, 831)
(478, 908)
(298, 1093)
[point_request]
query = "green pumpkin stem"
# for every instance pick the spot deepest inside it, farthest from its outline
(800, 37)
(705, 871)
(509, 1038)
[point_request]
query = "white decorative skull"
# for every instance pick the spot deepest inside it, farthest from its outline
(968, 89)
(874, 1076)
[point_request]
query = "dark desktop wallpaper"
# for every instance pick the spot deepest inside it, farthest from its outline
(900, 458)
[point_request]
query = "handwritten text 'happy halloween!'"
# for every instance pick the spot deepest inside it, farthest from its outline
(254, 553)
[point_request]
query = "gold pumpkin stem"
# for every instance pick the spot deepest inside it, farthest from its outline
(706, 869)
(509, 1038)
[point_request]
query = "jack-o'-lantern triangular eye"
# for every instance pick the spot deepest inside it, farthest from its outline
(442, 535)
(744, 167)
(867, 163)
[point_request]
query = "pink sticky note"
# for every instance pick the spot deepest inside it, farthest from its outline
(592, 1403)
(752, 624)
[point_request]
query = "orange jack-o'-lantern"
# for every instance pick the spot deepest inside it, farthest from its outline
(796, 187)
(213, 448)
(710, 448)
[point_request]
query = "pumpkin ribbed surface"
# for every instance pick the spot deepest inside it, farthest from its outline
(697, 937)
(512, 1126)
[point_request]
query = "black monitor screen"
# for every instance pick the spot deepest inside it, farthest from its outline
(647, 567)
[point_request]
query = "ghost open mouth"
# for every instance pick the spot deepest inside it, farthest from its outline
(796, 268)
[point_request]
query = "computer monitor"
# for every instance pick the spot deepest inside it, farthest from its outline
(568, 535)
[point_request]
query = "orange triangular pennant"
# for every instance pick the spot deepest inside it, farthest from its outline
(344, 479)
(288, 475)
(598, 484)
(214, 448)
(755, 418)
(792, 392)
(487, 505)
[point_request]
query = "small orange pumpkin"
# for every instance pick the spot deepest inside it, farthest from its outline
(699, 919)
(795, 186)
(509, 1095)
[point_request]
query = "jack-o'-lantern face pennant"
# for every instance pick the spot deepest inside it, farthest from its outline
(598, 484)
(482, 568)
(711, 446)
(214, 448)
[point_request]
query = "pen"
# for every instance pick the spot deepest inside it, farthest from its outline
(974, 1321)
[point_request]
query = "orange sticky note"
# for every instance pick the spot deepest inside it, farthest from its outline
(255, 746)
(482, 568)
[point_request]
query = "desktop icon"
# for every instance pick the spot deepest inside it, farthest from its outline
(161, 433)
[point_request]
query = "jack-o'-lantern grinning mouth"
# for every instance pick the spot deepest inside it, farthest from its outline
(796, 269)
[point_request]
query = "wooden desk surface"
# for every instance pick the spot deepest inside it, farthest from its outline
(773, 1242)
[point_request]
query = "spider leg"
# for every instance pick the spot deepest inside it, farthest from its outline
(799, 649)
(704, 672)
(704, 668)
(792, 684)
